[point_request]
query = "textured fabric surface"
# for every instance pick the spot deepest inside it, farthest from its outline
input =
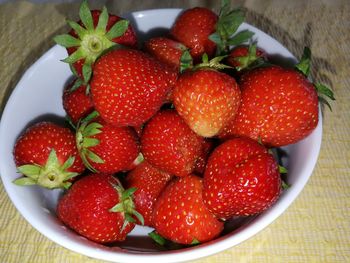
(316, 226)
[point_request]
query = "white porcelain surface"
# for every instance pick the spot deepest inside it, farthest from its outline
(38, 96)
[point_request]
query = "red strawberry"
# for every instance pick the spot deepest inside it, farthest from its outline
(149, 183)
(98, 208)
(47, 155)
(128, 86)
(279, 106)
(241, 178)
(166, 50)
(193, 28)
(106, 148)
(243, 56)
(201, 162)
(169, 144)
(94, 33)
(207, 100)
(76, 102)
(180, 214)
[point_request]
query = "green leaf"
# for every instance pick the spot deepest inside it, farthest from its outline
(24, 181)
(85, 15)
(71, 175)
(30, 170)
(87, 72)
(195, 242)
(68, 163)
(230, 22)
(205, 58)
(92, 129)
(102, 20)
(186, 61)
(77, 83)
(282, 169)
(90, 117)
(128, 193)
(129, 218)
(305, 62)
(118, 29)
(323, 100)
(67, 40)
(324, 90)
(117, 208)
(139, 217)
(52, 160)
(285, 185)
(215, 38)
(90, 142)
(94, 157)
(157, 238)
(67, 185)
(240, 38)
(77, 28)
(77, 55)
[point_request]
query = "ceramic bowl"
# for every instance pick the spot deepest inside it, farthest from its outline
(37, 96)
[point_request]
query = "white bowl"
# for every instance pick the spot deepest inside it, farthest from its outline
(38, 96)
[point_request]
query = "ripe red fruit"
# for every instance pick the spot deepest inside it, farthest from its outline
(98, 208)
(166, 50)
(241, 57)
(106, 148)
(93, 34)
(193, 28)
(241, 179)
(76, 102)
(207, 100)
(169, 144)
(128, 87)
(149, 182)
(46, 155)
(180, 215)
(207, 146)
(279, 107)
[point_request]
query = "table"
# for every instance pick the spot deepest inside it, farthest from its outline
(316, 227)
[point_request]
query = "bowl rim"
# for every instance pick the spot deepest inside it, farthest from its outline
(218, 245)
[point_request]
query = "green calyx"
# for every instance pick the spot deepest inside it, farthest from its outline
(250, 61)
(226, 34)
(186, 61)
(85, 131)
(304, 67)
(214, 63)
(51, 175)
(90, 42)
(126, 205)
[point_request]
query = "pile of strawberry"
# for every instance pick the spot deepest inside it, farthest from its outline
(176, 135)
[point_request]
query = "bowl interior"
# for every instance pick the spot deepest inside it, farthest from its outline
(37, 97)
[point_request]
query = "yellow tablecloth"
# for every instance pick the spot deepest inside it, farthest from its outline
(316, 227)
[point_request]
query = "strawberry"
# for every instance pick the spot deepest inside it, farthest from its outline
(207, 146)
(98, 208)
(192, 28)
(169, 144)
(207, 99)
(106, 148)
(128, 86)
(166, 50)
(180, 214)
(93, 34)
(46, 155)
(279, 105)
(241, 179)
(76, 102)
(243, 56)
(149, 182)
